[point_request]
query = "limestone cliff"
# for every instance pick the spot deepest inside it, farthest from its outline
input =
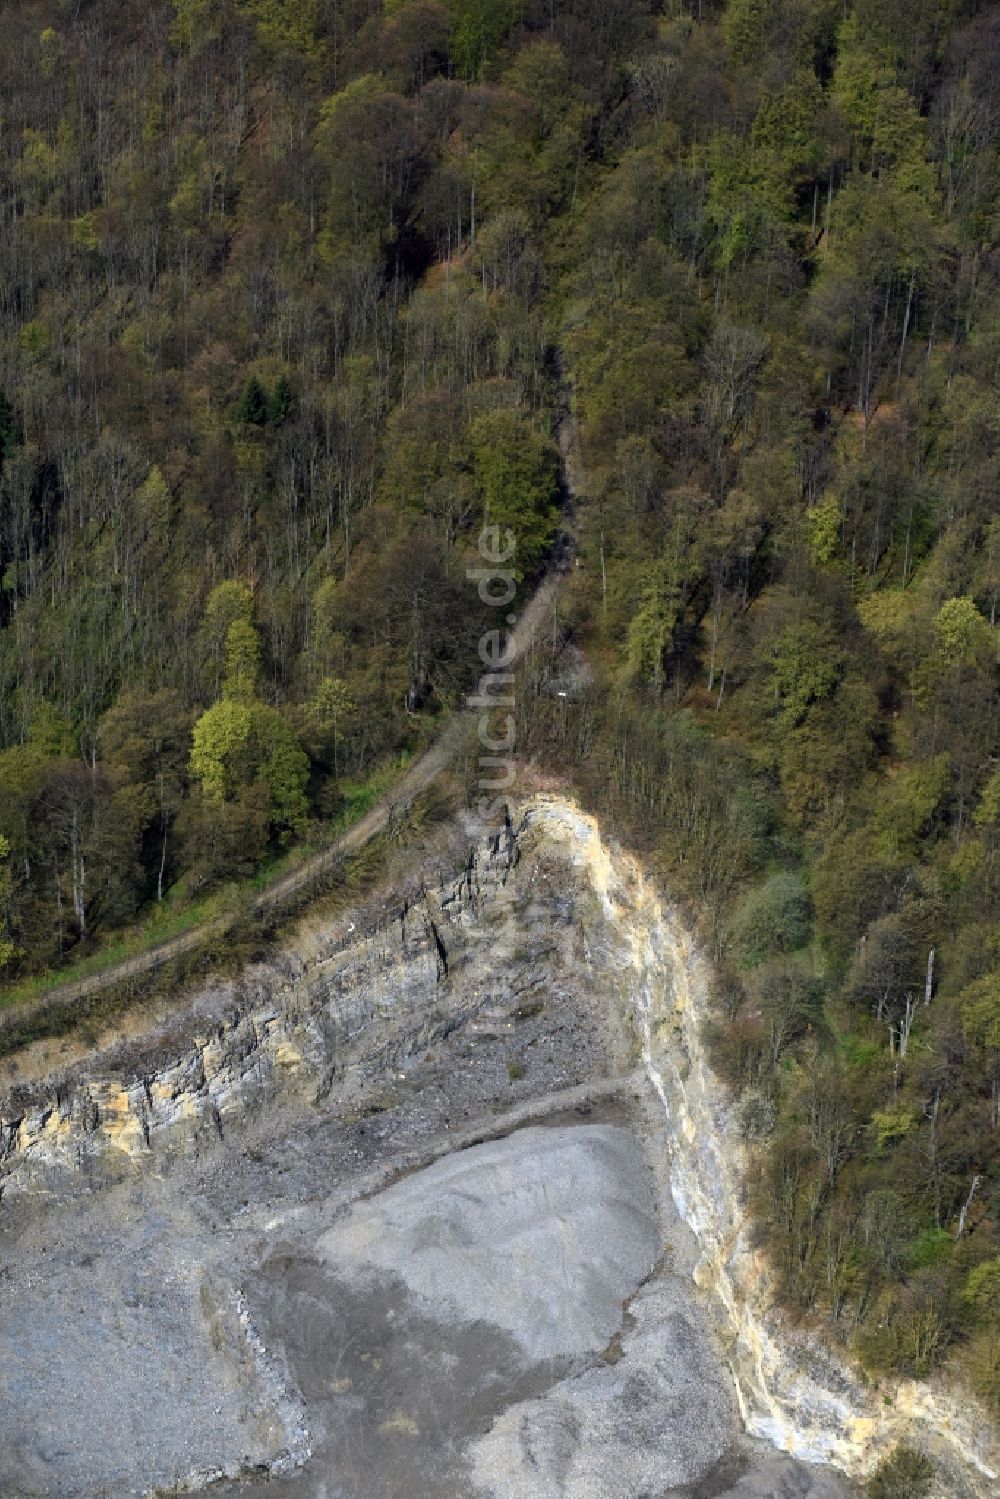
(792, 1390)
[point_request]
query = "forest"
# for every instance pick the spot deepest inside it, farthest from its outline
(294, 294)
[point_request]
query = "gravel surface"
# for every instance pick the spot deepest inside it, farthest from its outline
(543, 1235)
(660, 1417)
(126, 1358)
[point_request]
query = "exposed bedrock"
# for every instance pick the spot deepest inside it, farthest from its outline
(445, 1202)
(369, 992)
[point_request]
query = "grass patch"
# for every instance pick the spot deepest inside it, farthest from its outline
(160, 925)
(861, 1055)
(361, 796)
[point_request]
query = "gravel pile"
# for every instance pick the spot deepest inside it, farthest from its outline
(543, 1234)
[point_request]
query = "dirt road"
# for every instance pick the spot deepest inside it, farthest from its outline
(455, 735)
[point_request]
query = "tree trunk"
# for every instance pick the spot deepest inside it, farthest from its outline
(906, 1025)
(78, 874)
(163, 864)
(716, 616)
(931, 1112)
(906, 329)
(966, 1206)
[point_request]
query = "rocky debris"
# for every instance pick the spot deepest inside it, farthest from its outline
(542, 1234)
(658, 1419)
(781, 1478)
(129, 1363)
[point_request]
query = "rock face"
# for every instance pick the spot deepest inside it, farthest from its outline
(285, 1287)
(792, 1391)
(376, 993)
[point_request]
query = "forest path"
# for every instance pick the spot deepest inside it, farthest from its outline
(456, 735)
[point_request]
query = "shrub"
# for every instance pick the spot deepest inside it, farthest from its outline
(982, 1291)
(906, 1474)
(929, 1248)
(758, 1115)
(774, 918)
(983, 1366)
(914, 1325)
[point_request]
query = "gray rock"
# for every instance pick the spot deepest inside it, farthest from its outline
(543, 1235)
(660, 1418)
(128, 1367)
(783, 1478)
(204, 1274)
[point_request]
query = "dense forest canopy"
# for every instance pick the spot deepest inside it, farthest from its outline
(292, 294)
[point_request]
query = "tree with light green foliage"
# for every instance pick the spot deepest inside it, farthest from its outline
(888, 130)
(236, 743)
(228, 603)
(982, 1289)
(515, 469)
(153, 502)
(962, 636)
(284, 767)
(906, 804)
(331, 708)
(805, 664)
(888, 613)
(651, 630)
(987, 814)
(220, 732)
(194, 24)
(240, 740)
(285, 25)
(824, 520)
(979, 1006)
(242, 661)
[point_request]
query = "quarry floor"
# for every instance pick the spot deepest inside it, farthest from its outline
(462, 1278)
